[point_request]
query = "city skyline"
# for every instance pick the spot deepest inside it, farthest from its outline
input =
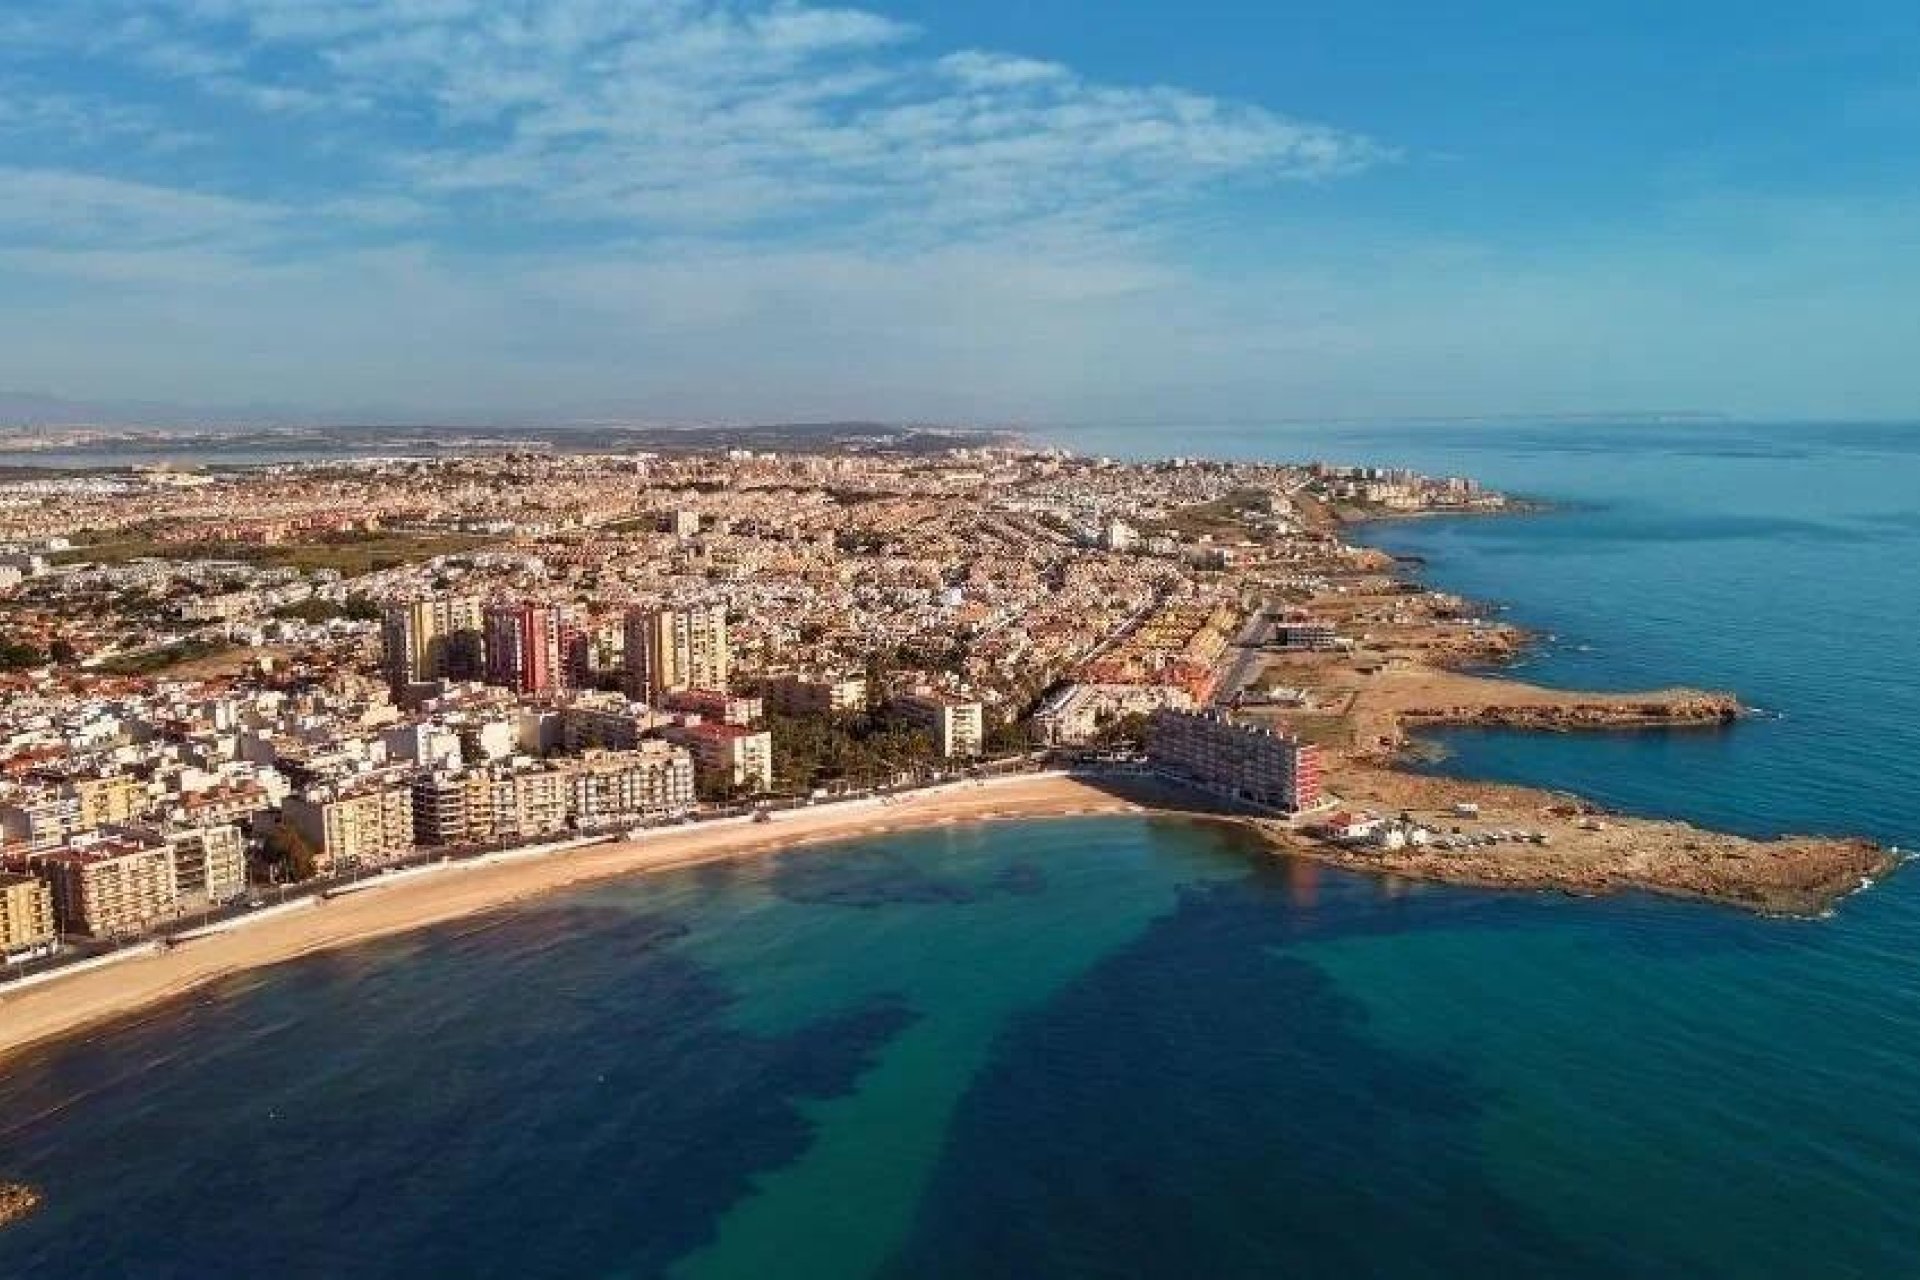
(686, 211)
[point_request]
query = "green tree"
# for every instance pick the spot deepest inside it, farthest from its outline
(291, 853)
(18, 655)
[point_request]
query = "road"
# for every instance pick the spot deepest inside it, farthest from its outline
(1244, 664)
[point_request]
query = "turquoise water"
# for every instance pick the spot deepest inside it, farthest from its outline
(1119, 1047)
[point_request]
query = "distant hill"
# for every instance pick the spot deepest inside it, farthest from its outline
(84, 435)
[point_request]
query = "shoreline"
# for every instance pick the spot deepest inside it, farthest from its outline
(1593, 852)
(1438, 669)
(1803, 877)
(1424, 671)
(73, 1003)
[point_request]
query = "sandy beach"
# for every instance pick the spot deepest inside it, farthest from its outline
(72, 1003)
(1794, 875)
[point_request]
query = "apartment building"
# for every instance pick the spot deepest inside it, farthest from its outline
(360, 821)
(1079, 712)
(676, 649)
(957, 724)
(110, 886)
(610, 787)
(1241, 761)
(232, 802)
(39, 821)
(453, 806)
(1306, 633)
(209, 862)
(479, 806)
(608, 722)
(26, 914)
(815, 695)
(523, 646)
(727, 757)
(717, 705)
(105, 799)
(432, 639)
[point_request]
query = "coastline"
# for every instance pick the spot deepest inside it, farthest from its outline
(1790, 876)
(1438, 663)
(1435, 666)
(74, 1003)
(1591, 852)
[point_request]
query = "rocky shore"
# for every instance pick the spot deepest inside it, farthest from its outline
(1664, 711)
(1589, 851)
(1420, 659)
(17, 1200)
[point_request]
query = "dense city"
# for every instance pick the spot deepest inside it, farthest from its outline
(223, 682)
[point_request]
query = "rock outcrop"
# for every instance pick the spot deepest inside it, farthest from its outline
(1696, 709)
(16, 1202)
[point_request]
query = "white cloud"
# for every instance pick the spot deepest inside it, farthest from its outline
(786, 208)
(979, 69)
(682, 114)
(82, 208)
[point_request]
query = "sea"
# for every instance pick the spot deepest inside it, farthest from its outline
(1123, 1046)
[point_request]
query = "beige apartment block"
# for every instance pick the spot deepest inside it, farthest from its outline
(810, 695)
(107, 801)
(957, 724)
(728, 756)
(609, 787)
(26, 913)
(677, 649)
(362, 822)
(112, 886)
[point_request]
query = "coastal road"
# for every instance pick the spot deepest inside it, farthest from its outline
(1243, 664)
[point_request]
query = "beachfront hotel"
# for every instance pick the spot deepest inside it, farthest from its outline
(1240, 761)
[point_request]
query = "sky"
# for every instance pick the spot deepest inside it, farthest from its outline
(1006, 211)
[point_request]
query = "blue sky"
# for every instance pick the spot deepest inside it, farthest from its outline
(1048, 211)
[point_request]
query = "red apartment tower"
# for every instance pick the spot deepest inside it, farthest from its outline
(523, 646)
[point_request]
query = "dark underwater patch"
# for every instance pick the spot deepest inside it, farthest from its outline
(1204, 1104)
(557, 1094)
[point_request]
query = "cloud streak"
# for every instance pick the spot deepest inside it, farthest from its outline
(681, 115)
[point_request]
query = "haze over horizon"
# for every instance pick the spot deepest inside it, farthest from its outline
(679, 210)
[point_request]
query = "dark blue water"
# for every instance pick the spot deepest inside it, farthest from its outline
(1779, 561)
(1114, 1047)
